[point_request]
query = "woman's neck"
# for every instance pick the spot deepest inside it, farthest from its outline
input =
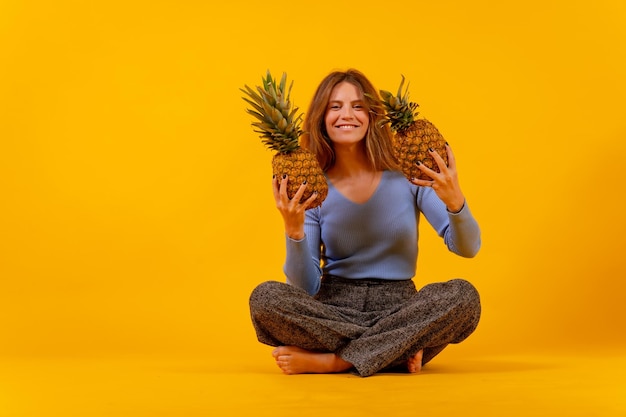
(350, 162)
(354, 177)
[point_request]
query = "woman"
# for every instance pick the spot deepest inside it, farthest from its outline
(349, 302)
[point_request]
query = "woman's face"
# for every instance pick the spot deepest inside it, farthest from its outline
(347, 117)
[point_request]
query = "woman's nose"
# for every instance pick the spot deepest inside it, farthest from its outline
(346, 112)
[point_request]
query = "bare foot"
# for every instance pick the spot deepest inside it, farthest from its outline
(414, 364)
(294, 360)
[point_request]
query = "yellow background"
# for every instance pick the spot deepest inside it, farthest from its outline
(135, 203)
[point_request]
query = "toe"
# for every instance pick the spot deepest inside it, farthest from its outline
(276, 352)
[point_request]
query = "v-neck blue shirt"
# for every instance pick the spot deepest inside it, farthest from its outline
(377, 238)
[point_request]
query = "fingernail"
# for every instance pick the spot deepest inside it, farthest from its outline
(431, 149)
(274, 176)
(284, 176)
(304, 182)
(418, 163)
(447, 144)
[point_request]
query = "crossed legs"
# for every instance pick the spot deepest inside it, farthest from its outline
(314, 337)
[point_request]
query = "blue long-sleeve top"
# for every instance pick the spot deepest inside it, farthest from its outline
(377, 238)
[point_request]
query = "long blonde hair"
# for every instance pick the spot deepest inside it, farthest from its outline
(378, 140)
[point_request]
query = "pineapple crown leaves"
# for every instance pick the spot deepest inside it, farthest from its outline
(401, 112)
(277, 120)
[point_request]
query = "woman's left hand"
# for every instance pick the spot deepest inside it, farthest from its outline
(445, 182)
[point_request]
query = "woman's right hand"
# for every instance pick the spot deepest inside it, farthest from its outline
(292, 209)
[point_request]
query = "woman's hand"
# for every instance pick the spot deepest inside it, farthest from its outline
(445, 182)
(292, 209)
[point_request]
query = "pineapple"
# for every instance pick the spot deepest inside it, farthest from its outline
(413, 136)
(279, 127)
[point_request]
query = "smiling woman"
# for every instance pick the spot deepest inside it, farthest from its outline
(349, 302)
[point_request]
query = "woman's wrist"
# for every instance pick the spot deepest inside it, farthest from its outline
(296, 238)
(456, 207)
(295, 234)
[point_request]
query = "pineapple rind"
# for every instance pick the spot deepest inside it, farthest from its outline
(300, 166)
(412, 145)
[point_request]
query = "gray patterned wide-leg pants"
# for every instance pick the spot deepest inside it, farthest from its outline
(372, 324)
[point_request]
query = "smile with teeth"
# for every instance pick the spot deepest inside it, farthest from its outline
(347, 126)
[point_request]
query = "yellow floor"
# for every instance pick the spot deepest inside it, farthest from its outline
(546, 385)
